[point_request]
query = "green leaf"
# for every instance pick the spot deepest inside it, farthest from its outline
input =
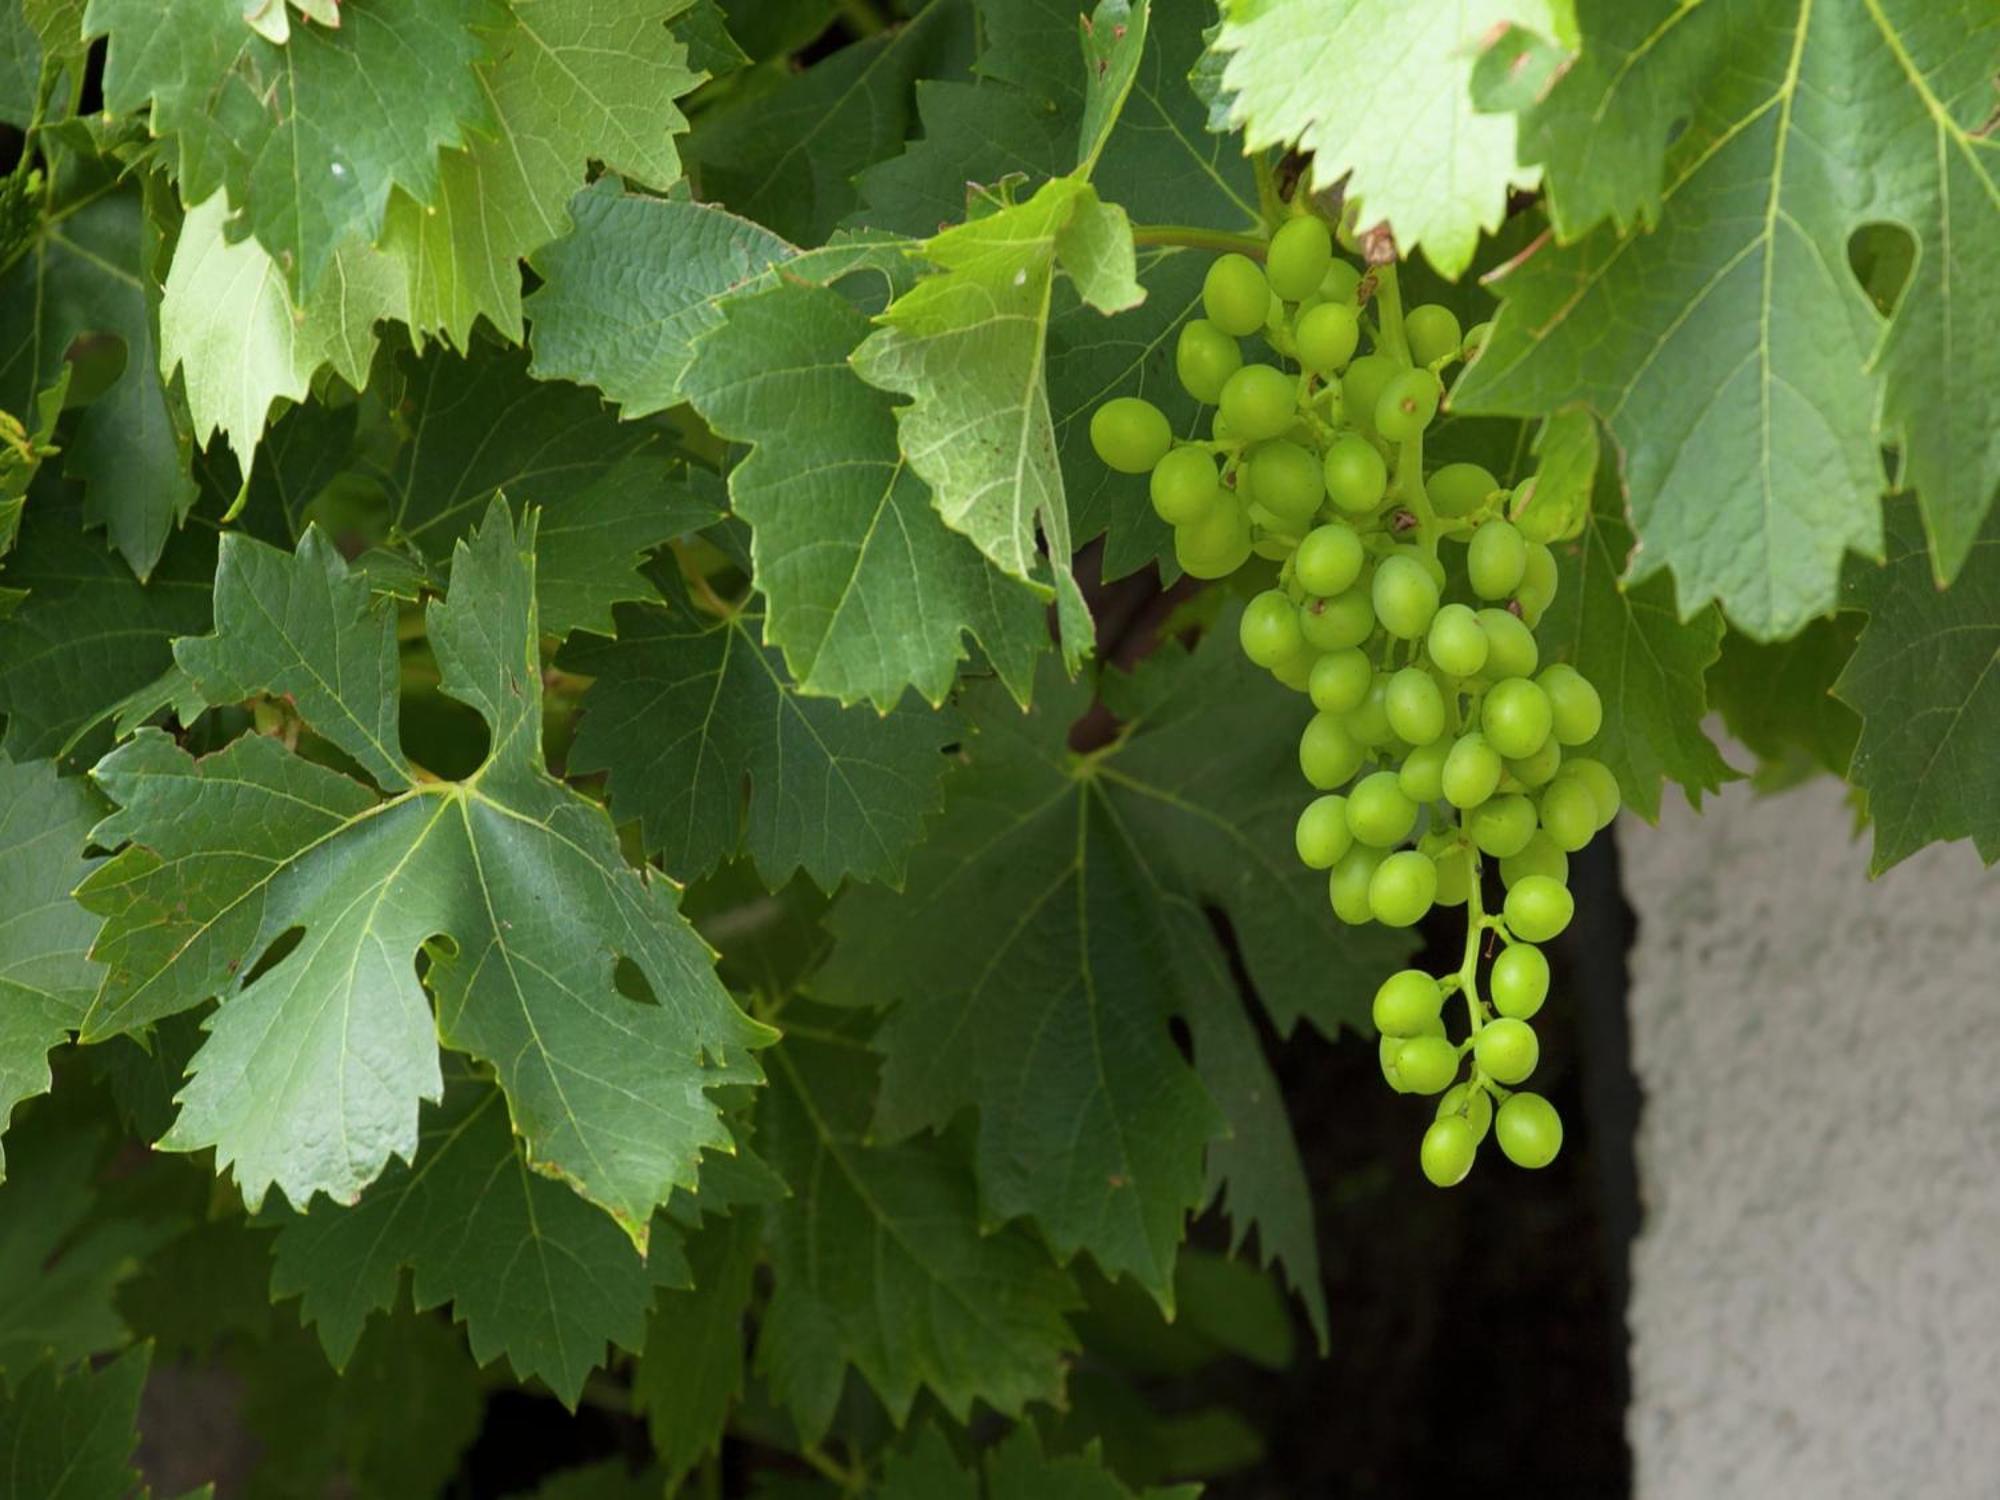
(1645, 662)
(82, 280)
(610, 1480)
(880, 1260)
(927, 1470)
(46, 978)
(704, 31)
(530, 1269)
(70, 1437)
(691, 1372)
(868, 591)
(1387, 105)
(1778, 699)
(787, 156)
(1556, 506)
(1018, 1470)
(967, 346)
(1923, 679)
(713, 748)
(208, 1287)
(1114, 42)
(308, 138)
(512, 885)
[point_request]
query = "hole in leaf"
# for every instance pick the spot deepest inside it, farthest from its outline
(631, 982)
(1881, 256)
(275, 954)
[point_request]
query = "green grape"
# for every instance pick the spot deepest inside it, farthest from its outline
(1406, 597)
(1578, 711)
(1510, 645)
(1529, 1130)
(1326, 336)
(1356, 477)
(1603, 785)
(1540, 857)
(1361, 386)
(1378, 812)
(1295, 671)
(1569, 814)
(1456, 643)
(1541, 573)
(1495, 560)
(1506, 1050)
(1278, 327)
(1340, 680)
(1447, 1152)
(1322, 834)
(1406, 405)
(1204, 357)
(1402, 889)
(1427, 1064)
(1130, 434)
(1475, 340)
(1219, 428)
(1407, 1002)
(1286, 480)
(1341, 282)
(1269, 544)
(1433, 333)
(1540, 768)
(1454, 867)
(1515, 717)
(1301, 253)
(1422, 772)
(1216, 545)
(1501, 826)
(1416, 707)
(1348, 885)
(1470, 1103)
(1537, 908)
(1471, 771)
(1259, 402)
(1269, 628)
(1519, 982)
(1369, 722)
(1235, 296)
(1184, 486)
(1345, 620)
(1329, 560)
(1459, 489)
(1328, 753)
(1385, 1053)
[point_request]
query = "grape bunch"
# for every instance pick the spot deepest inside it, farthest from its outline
(1404, 605)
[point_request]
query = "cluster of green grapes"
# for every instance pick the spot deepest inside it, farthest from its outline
(1404, 606)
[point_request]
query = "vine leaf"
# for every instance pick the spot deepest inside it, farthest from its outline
(70, 1435)
(1778, 700)
(1014, 1469)
(511, 884)
(879, 1259)
(691, 1373)
(1303, 72)
(1925, 678)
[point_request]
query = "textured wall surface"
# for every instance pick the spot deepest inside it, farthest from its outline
(1816, 1290)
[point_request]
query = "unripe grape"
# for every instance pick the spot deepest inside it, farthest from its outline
(1345, 620)
(1519, 982)
(1361, 387)
(1537, 909)
(1356, 477)
(1130, 434)
(1184, 486)
(1515, 717)
(1235, 296)
(1540, 857)
(1286, 481)
(1541, 573)
(1369, 722)
(1427, 1064)
(1510, 645)
(1422, 773)
(1433, 332)
(1569, 814)
(1597, 776)
(1348, 885)
(1216, 545)
(1406, 405)
(1269, 628)
(1495, 560)
(1340, 283)
(1385, 1053)
(1457, 643)
(1327, 335)
(1300, 255)
(1540, 768)
(1501, 826)
(1322, 834)
(1328, 754)
(1340, 681)
(1459, 489)
(1329, 559)
(1416, 707)
(1407, 1002)
(1378, 812)
(1205, 357)
(1295, 671)
(1507, 1050)
(1471, 771)
(1578, 711)
(1405, 596)
(1259, 402)
(1454, 872)
(1402, 889)
(1469, 1103)
(1447, 1152)
(1475, 340)
(1529, 1130)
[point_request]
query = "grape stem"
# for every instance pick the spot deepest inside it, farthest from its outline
(1193, 237)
